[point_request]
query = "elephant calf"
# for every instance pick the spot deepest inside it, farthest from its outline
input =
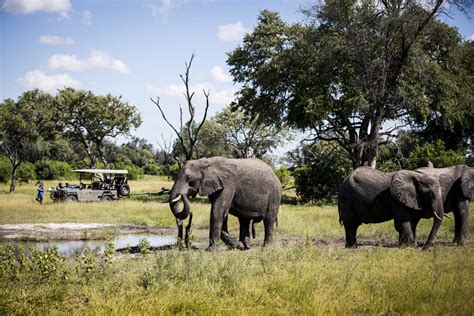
(246, 188)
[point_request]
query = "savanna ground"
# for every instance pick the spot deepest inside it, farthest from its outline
(306, 271)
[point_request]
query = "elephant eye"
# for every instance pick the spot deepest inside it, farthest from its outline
(192, 183)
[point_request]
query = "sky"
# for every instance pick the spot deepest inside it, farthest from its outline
(137, 49)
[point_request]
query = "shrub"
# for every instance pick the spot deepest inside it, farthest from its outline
(436, 153)
(26, 172)
(154, 169)
(144, 246)
(5, 169)
(319, 178)
(134, 172)
(284, 175)
(174, 170)
(53, 170)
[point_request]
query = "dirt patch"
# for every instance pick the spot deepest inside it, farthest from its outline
(76, 231)
(90, 231)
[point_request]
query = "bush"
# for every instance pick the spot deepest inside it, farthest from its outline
(174, 170)
(134, 172)
(319, 178)
(154, 169)
(26, 172)
(5, 169)
(53, 170)
(436, 153)
(284, 175)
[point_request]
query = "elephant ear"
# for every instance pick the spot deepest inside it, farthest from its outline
(404, 189)
(467, 183)
(216, 176)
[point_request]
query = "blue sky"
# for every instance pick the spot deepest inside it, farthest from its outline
(135, 49)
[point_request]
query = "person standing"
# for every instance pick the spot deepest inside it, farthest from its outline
(40, 193)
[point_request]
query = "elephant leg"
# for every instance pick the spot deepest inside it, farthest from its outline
(268, 225)
(414, 223)
(244, 236)
(351, 232)
(461, 221)
(407, 234)
(398, 228)
(219, 210)
(226, 237)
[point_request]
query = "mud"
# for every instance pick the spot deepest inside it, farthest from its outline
(91, 231)
(73, 231)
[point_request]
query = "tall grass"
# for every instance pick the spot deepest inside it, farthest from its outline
(274, 280)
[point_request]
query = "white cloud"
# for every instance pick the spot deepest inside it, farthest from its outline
(217, 98)
(218, 74)
(161, 8)
(65, 62)
(86, 17)
(231, 32)
(48, 83)
(62, 7)
(222, 98)
(97, 60)
(100, 59)
(55, 40)
(470, 38)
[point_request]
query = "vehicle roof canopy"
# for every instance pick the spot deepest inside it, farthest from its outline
(109, 171)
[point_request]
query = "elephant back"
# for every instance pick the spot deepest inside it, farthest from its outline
(365, 183)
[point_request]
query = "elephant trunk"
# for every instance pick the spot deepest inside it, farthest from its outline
(438, 218)
(174, 205)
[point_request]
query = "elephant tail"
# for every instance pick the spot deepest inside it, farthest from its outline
(255, 221)
(339, 211)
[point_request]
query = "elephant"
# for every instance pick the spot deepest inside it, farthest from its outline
(417, 195)
(457, 189)
(245, 188)
(365, 196)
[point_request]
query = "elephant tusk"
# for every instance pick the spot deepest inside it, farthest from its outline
(446, 215)
(176, 199)
(436, 215)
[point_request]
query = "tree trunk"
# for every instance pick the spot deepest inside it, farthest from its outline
(12, 184)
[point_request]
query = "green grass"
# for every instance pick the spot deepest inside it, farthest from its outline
(307, 271)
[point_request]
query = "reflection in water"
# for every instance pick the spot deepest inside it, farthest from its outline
(69, 248)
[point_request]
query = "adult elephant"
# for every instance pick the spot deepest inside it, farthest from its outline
(245, 188)
(457, 184)
(417, 195)
(365, 197)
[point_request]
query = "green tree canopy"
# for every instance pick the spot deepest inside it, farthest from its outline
(89, 119)
(352, 67)
(21, 124)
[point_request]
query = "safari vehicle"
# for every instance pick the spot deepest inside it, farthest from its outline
(102, 185)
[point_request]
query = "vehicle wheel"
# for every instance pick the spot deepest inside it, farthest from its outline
(124, 190)
(71, 198)
(106, 198)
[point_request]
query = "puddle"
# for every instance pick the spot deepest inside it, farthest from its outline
(69, 248)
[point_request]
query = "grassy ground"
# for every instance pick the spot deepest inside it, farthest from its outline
(307, 271)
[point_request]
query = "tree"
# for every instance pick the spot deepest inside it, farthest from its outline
(89, 119)
(451, 119)
(348, 71)
(164, 155)
(318, 170)
(21, 124)
(138, 151)
(248, 138)
(188, 133)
